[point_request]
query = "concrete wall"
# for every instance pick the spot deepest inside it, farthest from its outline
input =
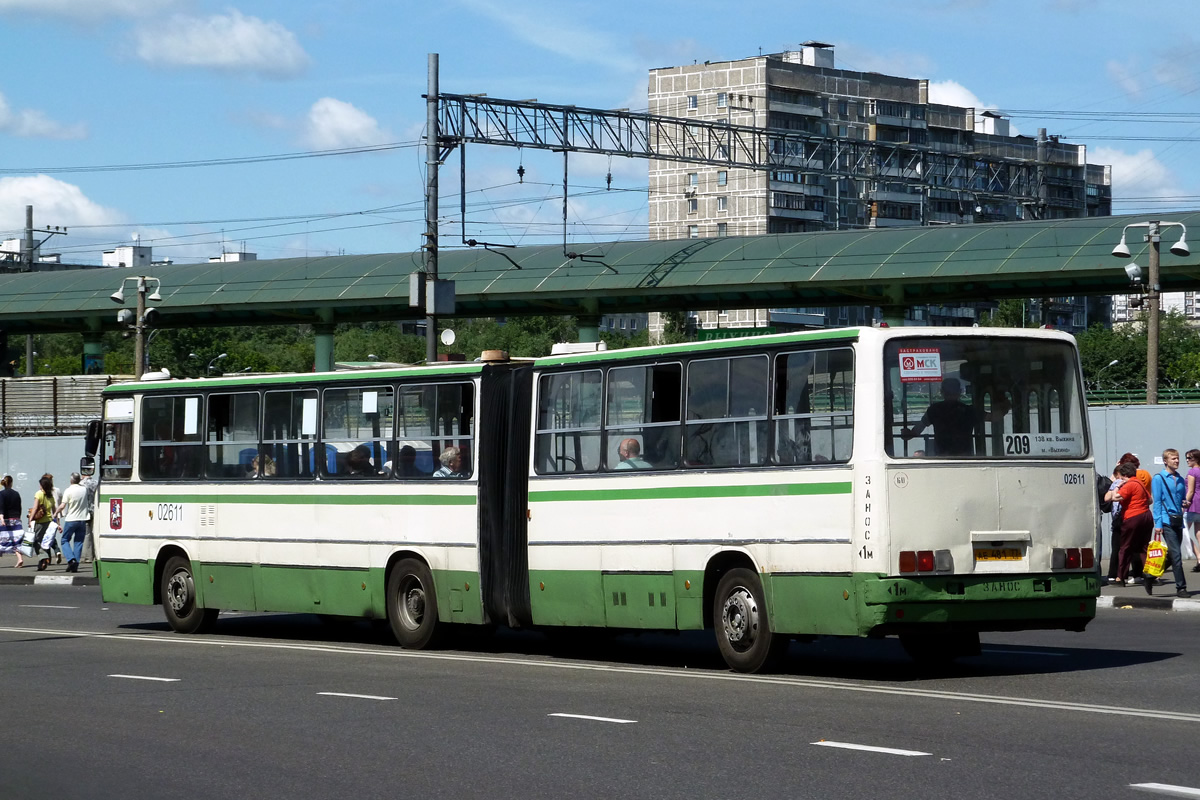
(27, 459)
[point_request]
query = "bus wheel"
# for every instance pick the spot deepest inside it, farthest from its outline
(179, 599)
(412, 604)
(743, 631)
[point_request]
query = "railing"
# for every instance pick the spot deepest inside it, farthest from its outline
(1136, 395)
(50, 406)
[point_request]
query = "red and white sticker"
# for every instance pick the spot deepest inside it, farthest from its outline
(115, 513)
(920, 365)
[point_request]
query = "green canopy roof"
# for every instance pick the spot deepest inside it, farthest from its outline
(892, 266)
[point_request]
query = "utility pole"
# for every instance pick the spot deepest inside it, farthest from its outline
(28, 246)
(431, 206)
(1152, 297)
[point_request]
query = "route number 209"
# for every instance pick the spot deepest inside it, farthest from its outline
(1016, 444)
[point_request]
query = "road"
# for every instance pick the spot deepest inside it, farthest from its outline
(103, 702)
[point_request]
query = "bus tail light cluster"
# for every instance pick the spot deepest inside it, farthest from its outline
(915, 561)
(1072, 558)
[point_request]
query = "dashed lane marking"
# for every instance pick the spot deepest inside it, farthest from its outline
(146, 678)
(358, 696)
(870, 748)
(1166, 789)
(595, 719)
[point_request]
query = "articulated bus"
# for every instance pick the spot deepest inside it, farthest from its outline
(927, 483)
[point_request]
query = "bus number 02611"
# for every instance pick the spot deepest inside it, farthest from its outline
(169, 512)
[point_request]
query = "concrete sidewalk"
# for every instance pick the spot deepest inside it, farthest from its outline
(55, 574)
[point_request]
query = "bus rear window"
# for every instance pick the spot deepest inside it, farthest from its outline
(991, 397)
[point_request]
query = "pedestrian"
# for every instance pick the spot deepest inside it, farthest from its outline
(1142, 476)
(73, 510)
(1118, 514)
(1191, 505)
(40, 516)
(1168, 490)
(89, 550)
(10, 519)
(1136, 524)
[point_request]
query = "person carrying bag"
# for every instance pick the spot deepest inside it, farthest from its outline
(1167, 490)
(11, 532)
(40, 517)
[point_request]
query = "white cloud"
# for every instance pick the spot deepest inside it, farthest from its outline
(886, 62)
(1120, 75)
(952, 93)
(333, 124)
(548, 27)
(54, 202)
(33, 124)
(1138, 174)
(84, 9)
(223, 42)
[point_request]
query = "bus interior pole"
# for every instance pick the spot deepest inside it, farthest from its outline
(431, 207)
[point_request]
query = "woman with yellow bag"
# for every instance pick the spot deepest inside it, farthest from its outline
(40, 517)
(1136, 526)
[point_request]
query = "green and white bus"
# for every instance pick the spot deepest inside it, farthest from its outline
(930, 483)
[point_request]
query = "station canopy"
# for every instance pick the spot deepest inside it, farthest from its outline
(876, 267)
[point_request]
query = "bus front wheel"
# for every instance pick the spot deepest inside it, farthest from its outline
(412, 604)
(743, 630)
(179, 599)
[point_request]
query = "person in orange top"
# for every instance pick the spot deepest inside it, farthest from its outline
(1137, 525)
(1142, 476)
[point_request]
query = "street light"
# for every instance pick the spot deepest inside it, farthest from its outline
(215, 360)
(1153, 235)
(140, 322)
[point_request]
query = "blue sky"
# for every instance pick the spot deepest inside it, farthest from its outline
(102, 83)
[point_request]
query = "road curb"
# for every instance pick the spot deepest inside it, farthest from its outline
(49, 580)
(1160, 603)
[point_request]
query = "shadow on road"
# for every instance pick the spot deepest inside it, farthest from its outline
(873, 660)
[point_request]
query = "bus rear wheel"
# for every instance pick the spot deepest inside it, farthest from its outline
(179, 599)
(412, 604)
(743, 631)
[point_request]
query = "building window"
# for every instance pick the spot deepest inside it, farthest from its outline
(722, 203)
(722, 99)
(693, 231)
(693, 179)
(722, 178)
(843, 108)
(692, 205)
(693, 102)
(722, 229)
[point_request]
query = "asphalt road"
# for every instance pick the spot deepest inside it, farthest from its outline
(104, 702)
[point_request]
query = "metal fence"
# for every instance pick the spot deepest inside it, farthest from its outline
(50, 406)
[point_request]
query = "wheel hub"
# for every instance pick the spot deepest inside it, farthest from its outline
(179, 591)
(740, 618)
(412, 606)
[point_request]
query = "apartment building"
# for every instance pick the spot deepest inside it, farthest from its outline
(857, 150)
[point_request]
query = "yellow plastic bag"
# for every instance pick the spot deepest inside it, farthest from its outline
(1156, 558)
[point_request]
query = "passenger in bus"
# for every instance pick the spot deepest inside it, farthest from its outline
(268, 466)
(358, 463)
(451, 459)
(954, 422)
(630, 453)
(406, 464)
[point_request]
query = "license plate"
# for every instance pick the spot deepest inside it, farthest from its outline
(998, 554)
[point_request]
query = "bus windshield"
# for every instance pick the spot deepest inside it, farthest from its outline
(983, 397)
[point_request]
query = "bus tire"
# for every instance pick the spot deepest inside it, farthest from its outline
(412, 604)
(179, 599)
(743, 631)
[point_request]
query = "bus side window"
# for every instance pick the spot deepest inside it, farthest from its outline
(727, 412)
(232, 436)
(568, 422)
(643, 404)
(290, 433)
(172, 445)
(118, 451)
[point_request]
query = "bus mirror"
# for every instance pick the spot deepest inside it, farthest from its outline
(92, 443)
(87, 466)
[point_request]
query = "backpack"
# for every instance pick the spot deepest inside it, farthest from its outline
(1103, 484)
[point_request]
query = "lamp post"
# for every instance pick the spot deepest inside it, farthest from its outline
(214, 361)
(1153, 235)
(140, 321)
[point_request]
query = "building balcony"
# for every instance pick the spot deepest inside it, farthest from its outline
(793, 213)
(795, 108)
(898, 122)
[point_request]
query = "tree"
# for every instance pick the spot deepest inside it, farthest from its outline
(1007, 314)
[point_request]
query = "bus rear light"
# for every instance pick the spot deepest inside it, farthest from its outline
(1058, 558)
(944, 561)
(1073, 558)
(925, 561)
(1088, 558)
(908, 561)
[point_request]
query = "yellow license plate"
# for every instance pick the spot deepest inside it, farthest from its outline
(998, 554)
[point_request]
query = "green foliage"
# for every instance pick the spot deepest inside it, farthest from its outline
(1178, 353)
(1007, 314)
(522, 337)
(675, 327)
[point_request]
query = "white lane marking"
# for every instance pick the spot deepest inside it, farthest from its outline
(870, 749)
(1181, 604)
(146, 678)
(778, 680)
(359, 696)
(36, 606)
(1023, 652)
(594, 719)
(1167, 789)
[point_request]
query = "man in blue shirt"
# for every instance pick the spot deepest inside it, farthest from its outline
(1167, 489)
